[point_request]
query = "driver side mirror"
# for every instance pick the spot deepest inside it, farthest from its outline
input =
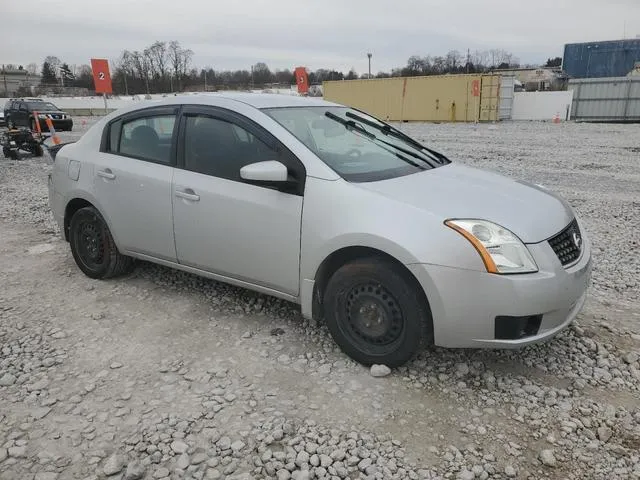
(269, 171)
(271, 174)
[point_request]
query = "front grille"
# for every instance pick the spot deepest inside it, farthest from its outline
(568, 244)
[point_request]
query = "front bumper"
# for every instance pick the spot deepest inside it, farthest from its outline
(465, 303)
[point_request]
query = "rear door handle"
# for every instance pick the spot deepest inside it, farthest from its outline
(107, 173)
(188, 194)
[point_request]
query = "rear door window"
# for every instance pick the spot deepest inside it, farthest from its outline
(148, 138)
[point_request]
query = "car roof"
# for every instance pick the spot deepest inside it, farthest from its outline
(272, 100)
(256, 100)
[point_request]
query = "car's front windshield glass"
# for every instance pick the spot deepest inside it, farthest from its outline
(357, 146)
(42, 106)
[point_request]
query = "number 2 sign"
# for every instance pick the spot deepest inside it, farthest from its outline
(101, 75)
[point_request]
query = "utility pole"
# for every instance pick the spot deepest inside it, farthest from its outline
(369, 56)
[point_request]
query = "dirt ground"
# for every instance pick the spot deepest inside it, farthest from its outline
(161, 374)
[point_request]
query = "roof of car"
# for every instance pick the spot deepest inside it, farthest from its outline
(256, 100)
(267, 100)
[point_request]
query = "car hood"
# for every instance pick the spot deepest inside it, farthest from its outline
(531, 212)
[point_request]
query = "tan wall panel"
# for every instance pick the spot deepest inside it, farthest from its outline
(442, 98)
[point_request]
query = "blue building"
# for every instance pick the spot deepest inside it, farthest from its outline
(615, 58)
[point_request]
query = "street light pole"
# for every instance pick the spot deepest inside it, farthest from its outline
(369, 55)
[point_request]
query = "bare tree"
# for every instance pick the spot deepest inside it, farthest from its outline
(140, 63)
(180, 60)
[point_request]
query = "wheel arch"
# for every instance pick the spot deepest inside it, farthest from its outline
(344, 255)
(76, 203)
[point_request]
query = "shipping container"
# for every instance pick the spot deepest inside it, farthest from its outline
(606, 99)
(615, 58)
(440, 98)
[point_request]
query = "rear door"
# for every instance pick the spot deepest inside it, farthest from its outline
(224, 224)
(132, 180)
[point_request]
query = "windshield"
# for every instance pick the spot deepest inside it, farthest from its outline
(42, 106)
(357, 146)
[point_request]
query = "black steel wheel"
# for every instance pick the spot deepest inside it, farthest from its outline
(93, 247)
(376, 312)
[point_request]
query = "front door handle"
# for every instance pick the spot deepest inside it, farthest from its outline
(107, 173)
(188, 194)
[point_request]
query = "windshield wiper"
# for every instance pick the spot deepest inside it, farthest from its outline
(390, 130)
(351, 125)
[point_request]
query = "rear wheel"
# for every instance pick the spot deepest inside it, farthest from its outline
(93, 247)
(38, 151)
(375, 313)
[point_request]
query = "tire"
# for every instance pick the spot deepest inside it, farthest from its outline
(38, 151)
(93, 247)
(375, 313)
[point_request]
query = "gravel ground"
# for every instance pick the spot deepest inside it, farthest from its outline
(163, 375)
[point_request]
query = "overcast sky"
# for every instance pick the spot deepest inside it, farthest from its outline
(232, 34)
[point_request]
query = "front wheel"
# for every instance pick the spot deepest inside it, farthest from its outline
(375, 313)
(93, 247)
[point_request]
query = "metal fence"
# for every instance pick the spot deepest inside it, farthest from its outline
(614, 99)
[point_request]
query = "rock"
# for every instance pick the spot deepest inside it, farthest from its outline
(363, 464)
(46, 476)
(462, 369)
(179, 446)
(39, 385)
(198, 458)
(18, 452)
(237, 446)
(547, 458)
(3, 454)
(39, 413)
(213, 474)
(604, 434)
(630, 358)
(325, 461)
(284, 359)
(115, 365)
(114, 464)
(379, 370)
(301, 475)
(224, 443)
(324, 369)
(466, 475)
(302, 458)
(338, 455)
(135, 470)
(510, 472)
(283, 474)
(183, 461)
(7, 380)
(161, 473)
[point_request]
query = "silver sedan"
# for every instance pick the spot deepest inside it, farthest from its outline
(387, 241)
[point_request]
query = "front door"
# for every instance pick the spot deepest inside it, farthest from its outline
(223, 224)
(132, 181)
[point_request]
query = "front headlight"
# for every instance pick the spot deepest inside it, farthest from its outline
(42, 115)
(500, 250)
